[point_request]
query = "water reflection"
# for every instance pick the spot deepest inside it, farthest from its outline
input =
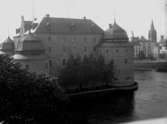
(151, 98)
(106, 108)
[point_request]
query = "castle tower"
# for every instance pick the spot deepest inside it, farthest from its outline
(152, 34)
(116, 48)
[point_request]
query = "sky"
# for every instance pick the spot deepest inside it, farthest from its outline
(132, 15)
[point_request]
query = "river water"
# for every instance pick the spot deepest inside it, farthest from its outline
(151, 97)
(150, 102)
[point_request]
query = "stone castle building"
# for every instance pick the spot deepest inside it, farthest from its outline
(45, 46)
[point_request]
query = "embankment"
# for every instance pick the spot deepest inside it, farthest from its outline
(147, 65)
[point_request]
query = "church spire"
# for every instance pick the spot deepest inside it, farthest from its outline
(152, 25)
(152, 34)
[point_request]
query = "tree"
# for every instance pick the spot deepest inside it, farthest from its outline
(27, 95)
(87, 73)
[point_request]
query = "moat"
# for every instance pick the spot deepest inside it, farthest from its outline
(149, 102)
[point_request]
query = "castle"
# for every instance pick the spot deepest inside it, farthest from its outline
(45, 46)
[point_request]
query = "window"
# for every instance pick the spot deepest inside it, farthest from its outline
(116, 50)
(85, 39)
(27, 67)
(107, 51)
(85, 49)
(64, 48)
(46, 65)
(125, 61)
(73, 39)
(50, 49)
(128, 78)
(94, 39)
(50, 63)
(64, 62)
(49, 38)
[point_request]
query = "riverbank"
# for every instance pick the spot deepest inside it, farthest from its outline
(148, 65)
(106, 91)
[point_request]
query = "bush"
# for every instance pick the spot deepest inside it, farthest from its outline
(90, 71)
(27, 95)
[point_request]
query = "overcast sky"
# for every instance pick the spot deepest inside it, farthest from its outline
(132, 15)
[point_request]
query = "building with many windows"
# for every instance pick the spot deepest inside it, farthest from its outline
(145, 49)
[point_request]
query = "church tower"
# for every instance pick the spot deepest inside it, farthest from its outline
(152, 34)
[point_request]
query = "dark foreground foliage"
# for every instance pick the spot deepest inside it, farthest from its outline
(29, 97)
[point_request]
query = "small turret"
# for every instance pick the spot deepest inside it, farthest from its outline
(7, 46)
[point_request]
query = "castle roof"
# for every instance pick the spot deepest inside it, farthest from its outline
(55, 25)
(29, 44)
(115, 32)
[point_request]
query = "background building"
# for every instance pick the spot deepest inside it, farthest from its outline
(146, 48)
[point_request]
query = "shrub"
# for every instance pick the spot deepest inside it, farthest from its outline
(27, 95)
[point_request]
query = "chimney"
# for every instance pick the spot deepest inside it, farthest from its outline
(110, 26)
(84, 17)
(162, 37)
(22, 18)
(47, 15)
(22, 30)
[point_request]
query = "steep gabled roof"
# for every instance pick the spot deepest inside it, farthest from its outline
(54, 25)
